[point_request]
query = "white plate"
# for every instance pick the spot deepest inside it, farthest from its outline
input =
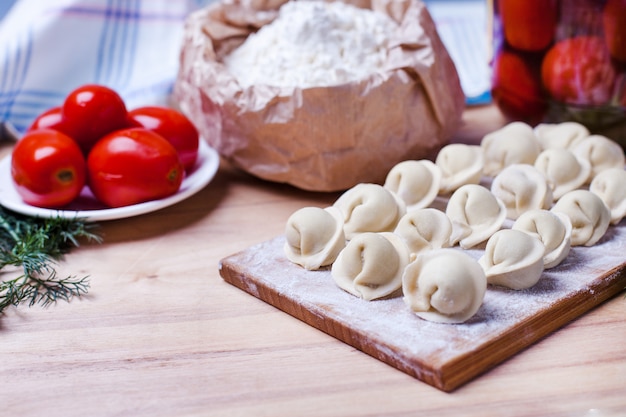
(87, 207)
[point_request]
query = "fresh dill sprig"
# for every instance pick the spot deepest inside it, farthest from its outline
(36, 245)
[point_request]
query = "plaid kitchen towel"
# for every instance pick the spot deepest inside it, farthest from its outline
(50, 47)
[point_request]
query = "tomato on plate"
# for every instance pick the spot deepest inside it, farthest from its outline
(516, 88)
(529, 25)
(579, 71)
(49, 119)
(132, 166)
(173, 126)
(47, 168)
(90, 112)
(614, 23)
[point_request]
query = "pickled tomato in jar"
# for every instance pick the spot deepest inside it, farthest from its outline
(561, 60)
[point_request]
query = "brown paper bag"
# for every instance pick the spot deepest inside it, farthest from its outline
(321, 138)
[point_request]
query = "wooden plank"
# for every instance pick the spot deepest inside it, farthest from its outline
(443, 355)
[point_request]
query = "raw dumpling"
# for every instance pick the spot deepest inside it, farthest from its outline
(563, 135)
(426, 228)
(564, 170)
(475, 214)
(460, 164)
(371, 265)
(444, 286)
(415, 182)
(314, 237)
(601, 152)
(369, 208)
(610, 186)
(553, 229)
(589, 215)
(513, 259)
(515, 143)
(522, 187)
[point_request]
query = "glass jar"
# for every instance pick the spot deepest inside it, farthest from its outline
(561, 60)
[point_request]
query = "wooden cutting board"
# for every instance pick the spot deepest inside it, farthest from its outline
(442, 355)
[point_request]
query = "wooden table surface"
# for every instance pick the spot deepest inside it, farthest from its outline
(161, 334)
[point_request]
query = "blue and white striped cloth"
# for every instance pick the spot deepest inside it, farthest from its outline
(50, 47)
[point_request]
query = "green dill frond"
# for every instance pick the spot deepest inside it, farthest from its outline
(36, 245)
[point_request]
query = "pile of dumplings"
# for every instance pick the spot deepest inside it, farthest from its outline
(525, 195)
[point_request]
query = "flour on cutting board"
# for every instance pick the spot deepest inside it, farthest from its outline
(393, 331)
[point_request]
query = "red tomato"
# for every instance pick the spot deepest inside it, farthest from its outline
(92, 111)
(614, 21)
(579, 71)
(529, 25)
(50, 119)
(47, 168)
(173, 126)
(132, 166)
(516, 88)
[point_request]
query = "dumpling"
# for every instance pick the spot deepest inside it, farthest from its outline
(513, 259)
(444, 286)
(369, 208)
(522, 187)
(601, 153)
(475, 214)
(610, 186)
(426, 228)
(564, 170)
(563, 135)
(314, 237)
(589, 215)
(515, 143)
(415, 182)
(371, 265)
(460, 164)
(553, 229)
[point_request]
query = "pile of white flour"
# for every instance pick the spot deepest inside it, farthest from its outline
(313, 44)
